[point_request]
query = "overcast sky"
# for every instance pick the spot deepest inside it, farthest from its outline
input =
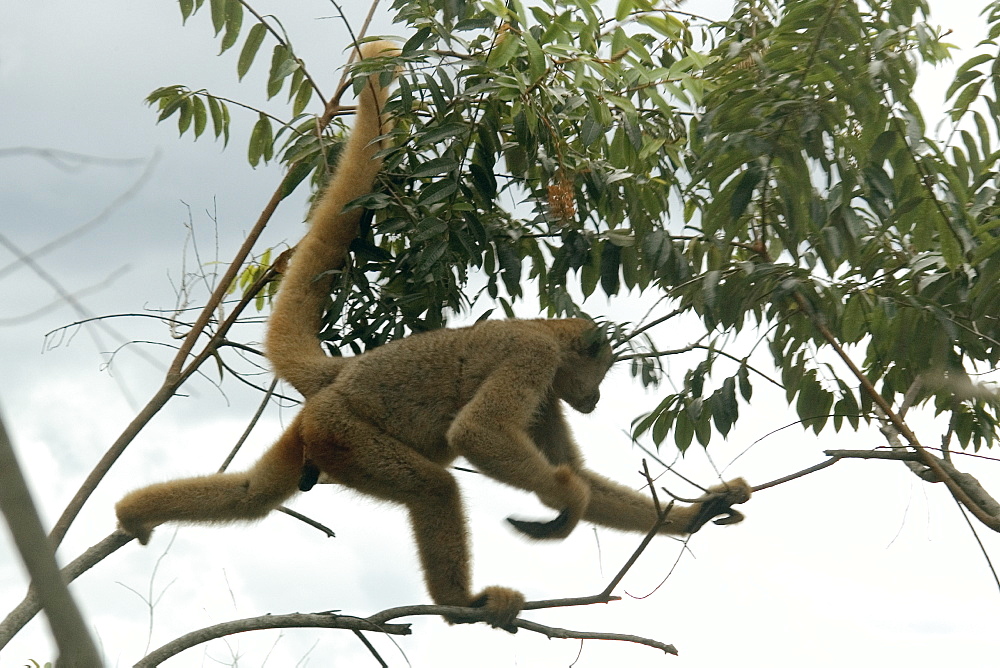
(858, 564)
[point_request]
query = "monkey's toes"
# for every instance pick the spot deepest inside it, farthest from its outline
(501, 606)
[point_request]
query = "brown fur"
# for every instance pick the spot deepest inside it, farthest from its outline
(390, 421)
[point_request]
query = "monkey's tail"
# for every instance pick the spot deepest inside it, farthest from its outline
(291, 340)
(219, 498)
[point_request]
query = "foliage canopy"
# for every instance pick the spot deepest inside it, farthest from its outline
(768, 175)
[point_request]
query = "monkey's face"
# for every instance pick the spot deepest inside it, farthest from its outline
(578, 380)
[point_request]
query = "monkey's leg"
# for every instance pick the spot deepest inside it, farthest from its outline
(619, 507)
(374, 463)
(219, 498)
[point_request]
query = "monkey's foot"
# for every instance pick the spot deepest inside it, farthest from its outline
(130, 518)
(139, 530)
(500, 606)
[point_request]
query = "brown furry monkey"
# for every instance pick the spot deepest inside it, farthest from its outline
(390, 421)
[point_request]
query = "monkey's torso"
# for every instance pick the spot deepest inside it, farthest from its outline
(412, 389)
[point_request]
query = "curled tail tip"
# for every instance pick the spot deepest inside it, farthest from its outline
(379, 49)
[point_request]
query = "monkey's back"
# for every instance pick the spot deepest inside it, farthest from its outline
(412, 388)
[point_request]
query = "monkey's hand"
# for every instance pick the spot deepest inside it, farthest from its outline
(570, 495)
(717, 504)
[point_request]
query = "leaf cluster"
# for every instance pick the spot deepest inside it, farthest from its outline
(770, 176)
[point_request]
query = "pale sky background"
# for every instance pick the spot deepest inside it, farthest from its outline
(860, 564)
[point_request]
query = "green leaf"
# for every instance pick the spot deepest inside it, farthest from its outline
(485, 181)
(200, 116)
(437, 191)
(510, 263)
(505, 48)
(187, 8)
(261, 141)
(744, 191)
(683, 431)
(250, 47)
(234, 21)
(610, 264)
(591, 130)
(416, 40)
(218, 8)
(294, 177)
(951, 250)
(536, 59)
(215, 111)
(186, 115)
(434, 167)
(279, 70)
(302, 97)
(743, 375)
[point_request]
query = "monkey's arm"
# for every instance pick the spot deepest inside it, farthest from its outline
(619, 507)
(615, 505)
(494, 432)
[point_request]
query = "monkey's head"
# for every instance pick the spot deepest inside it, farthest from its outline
(584, 366)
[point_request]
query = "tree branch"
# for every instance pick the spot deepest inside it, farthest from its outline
(378, 622)
(72, 636)
(988, 518)
(967, 483)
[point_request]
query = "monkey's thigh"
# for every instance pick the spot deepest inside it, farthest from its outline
(370, 461)
(363, 457)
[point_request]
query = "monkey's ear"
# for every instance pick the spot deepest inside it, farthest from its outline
(593, 342)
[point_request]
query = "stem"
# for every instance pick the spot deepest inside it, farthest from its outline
(897, 422)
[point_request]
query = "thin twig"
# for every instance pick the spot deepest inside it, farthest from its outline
(371, 648)
(249, 428)
(285, 43)
(982, 548)
(660, 521)
(812, 469)
(308, 520)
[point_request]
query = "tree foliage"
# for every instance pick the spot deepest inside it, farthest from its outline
(768, 176)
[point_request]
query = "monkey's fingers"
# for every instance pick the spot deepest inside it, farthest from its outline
(556, 528)
(732, 517)
(712, 508)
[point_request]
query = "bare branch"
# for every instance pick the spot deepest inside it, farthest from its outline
(979, 542)
(873, 454)
(31, 605)
(379, 623)
(812, 469)
(76, 646)
(967, 483)
(553, 632)
(294, 620)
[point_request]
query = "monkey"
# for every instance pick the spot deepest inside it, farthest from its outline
(390, 421)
